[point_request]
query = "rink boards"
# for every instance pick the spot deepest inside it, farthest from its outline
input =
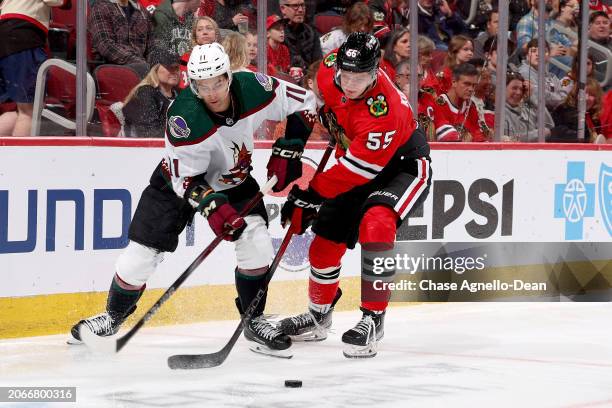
(65, 205)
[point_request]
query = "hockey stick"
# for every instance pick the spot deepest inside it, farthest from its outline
(194, 361)
(113, 345)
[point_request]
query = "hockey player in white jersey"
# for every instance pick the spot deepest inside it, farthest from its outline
(206, 169)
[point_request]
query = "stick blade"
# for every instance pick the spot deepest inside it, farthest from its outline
(196, 361)
(106, 345)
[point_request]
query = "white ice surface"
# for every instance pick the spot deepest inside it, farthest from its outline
(433, 355)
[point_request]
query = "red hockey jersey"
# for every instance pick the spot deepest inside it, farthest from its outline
(453, 124)
(369, 130)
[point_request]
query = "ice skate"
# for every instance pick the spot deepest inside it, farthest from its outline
(310, 326)
(103, 325)
(362, 340)
(265, 338)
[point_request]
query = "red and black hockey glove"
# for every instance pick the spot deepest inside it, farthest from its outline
(221, 216)
(301, 209)
(285, 162)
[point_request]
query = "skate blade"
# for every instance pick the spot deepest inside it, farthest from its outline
(318, 334)
(368, 351)
(309, 337)
(261, 349)
(73, 342)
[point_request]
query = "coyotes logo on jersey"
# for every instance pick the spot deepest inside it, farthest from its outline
(242, 168)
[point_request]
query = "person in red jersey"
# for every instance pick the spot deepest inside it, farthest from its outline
(382, 173)
(453, 115)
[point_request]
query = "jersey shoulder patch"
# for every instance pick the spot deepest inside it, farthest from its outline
(377, 106)
(326, 37)
(330, 60)
(253, 90)
(187, 121)
(440, 101)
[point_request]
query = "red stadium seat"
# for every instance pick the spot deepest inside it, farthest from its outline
(55, 95)
(114, 83)
(326, 22)
(62, 32)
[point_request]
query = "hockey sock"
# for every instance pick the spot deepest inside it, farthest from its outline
(247, 286)
(324, 256)
(122, 298)
(322, 288)
(376, 234)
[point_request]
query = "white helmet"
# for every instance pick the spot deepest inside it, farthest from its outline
(207, 61)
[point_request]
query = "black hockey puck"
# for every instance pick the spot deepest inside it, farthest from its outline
(293, 383)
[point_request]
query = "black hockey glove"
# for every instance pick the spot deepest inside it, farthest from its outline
(285, 162)
(301, 209)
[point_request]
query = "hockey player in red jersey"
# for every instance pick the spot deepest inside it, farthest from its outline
(383, 172)
(453, 116)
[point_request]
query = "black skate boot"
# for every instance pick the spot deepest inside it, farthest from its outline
(265, 338)
(362, 340)
(103, 324)
(310, 326)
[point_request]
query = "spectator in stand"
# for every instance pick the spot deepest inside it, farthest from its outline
(24, 25)
(302, 39)
(358, 18)
(599, 32)
(606, 117)
(567, 48)
(490, 49)
(121, 33)
(438, 22)
(334, 6)
(529, 70)
(390, 13)
(460, 50)
(251, 42)
(396, 51)
(484, 96)
(173, 23)
(598, 5)
(278, 53)
(235, 45)
(527, 27)
(521, 111)
(566, 116)
(426, 49)
(8, 118)
(483, 10)
(149, 5)
(453, 115)
(145, 107)
(517, 9)
(229, 13)
(204, 31)
(402, 77)
(491, 31)
(567, 82)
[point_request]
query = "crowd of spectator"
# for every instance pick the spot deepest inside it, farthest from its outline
(457, 61)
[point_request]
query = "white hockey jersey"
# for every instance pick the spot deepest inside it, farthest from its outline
(197, 145)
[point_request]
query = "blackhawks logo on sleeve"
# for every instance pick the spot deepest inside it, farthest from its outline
(377, 106)
(330, 60)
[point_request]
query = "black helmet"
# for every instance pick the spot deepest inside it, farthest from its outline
(359, 53)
